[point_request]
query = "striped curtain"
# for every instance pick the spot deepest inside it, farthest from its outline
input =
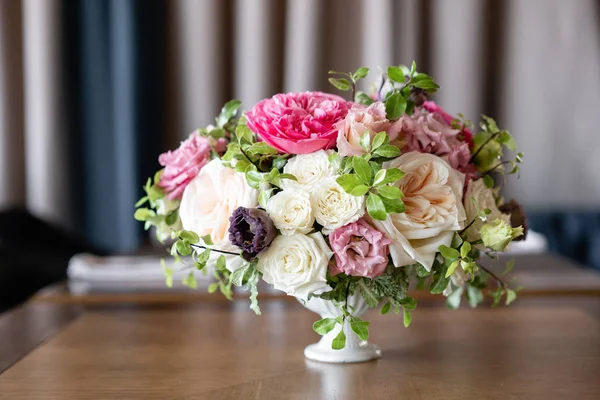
(92, 90)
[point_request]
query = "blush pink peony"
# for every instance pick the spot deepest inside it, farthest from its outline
(428, 132)
(298, 123)
(360, 250)
(432, 107)
(182, 165)
(360, 119)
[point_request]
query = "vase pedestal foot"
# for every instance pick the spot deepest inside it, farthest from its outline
(361, 353)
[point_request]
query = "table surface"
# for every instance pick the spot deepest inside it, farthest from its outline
(544, 347)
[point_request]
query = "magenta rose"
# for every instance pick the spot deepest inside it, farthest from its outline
(298, 123)
(360, 250)
(182, 165)
(359, 120)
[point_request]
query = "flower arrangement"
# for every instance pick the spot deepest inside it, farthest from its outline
(324, 198)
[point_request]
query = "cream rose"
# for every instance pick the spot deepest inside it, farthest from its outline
(291, 211)
(209, 200)
(309, 169)
(296, 264)
(333, 207)
(434, 210)
(485, 199)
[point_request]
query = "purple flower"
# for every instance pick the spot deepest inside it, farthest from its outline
(252, 230)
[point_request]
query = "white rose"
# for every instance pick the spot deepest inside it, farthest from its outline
(485, 199)
(209, 200)
(291, 211)
(309, 169)
(165, 207)
(296, 264)
(333, 207)
(434, 210)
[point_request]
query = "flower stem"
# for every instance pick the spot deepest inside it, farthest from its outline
(468, 226)
(489, 171)
(493, 275)
(199, 246)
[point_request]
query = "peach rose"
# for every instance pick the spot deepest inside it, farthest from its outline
(434, 210)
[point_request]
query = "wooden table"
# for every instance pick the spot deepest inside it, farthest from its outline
(542, 347)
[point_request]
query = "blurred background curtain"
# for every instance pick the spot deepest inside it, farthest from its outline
(91, 91)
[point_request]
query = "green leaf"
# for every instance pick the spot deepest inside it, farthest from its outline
(391, 176)
(168, 273)
(339, 342)
(362, 170)
(393, 206)
(213, 287)
(365, 141)
(237, 276)
(409, 303)
(324, 326)
(143, 214)
(334, 160)
(439, 282)
(191, 237)
(475, 296)
(387, 151)
(360, 328)
(190, 281)
(448, 252)
(507, 140)
(379, 177)
(465, 249)
(279, 162)
(340, 83)
(380, 139)
(359, 190)
(426, 84)
(141, 201)
(263, 197)
(360, 73)
(171, 219)
(390, 192)
(221, 262)
(183, 247)
(375, 207)
(386, 308)
(453, 301)
(510, 264)
(207, 239)
(254, 178)
(451, 268)
(348, 182)
(261, 148)
(363, 98)
(407, 318)
(253, 280)
(421, 271)
(488, 181)
(511, 296)
(395, 74)
(228, 111)
(244, 134)
(395, 106)
(413, 68)
(367, 292)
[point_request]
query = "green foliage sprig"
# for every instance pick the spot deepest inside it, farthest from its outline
(405, 83)
(363, 175)
(348, 82)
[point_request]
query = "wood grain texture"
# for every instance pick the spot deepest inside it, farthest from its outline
(24, 328)
(226, 352)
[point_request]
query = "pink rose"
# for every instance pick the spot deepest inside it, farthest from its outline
(298, 123)
(360, 119)
(360, 250)
(182, 165)
(432, 107)
(430, 133)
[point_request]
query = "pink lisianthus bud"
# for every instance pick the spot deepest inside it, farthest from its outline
(360, 250)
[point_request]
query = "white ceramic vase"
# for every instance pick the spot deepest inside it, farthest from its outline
(356, 350)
